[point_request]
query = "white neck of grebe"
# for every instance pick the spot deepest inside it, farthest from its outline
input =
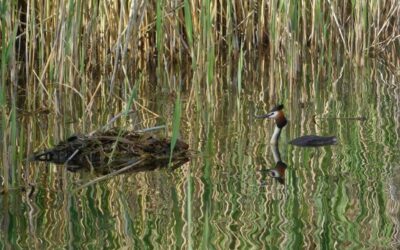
(275, 153)
(275, 135)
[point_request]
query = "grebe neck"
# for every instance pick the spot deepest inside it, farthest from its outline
(275, 153)
(275, 135)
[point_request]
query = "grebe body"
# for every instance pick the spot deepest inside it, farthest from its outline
(314, 141)
(304, 141)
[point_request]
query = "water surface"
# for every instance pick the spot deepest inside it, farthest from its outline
(342, 196)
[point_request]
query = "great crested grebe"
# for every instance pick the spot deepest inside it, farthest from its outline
(304, 141)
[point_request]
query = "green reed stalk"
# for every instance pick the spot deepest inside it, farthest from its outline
(208, 38)
(210, 65)
(8, 63)
(317, 22)
(13, 136)
(175, 124)
(229, 29)
(3, 102)
(240, 70)
(84, 88)
(273, 22)
(132, 98)
(188, 24)
(294, 16)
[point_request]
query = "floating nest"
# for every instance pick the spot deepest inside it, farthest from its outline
(115, 150)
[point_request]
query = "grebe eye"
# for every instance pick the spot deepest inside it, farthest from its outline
(273, 114)
(274, 173)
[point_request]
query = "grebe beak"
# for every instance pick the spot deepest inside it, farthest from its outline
(276, 112)
(272, 115)
(264, 116)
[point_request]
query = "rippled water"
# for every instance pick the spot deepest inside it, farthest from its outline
(343, 196)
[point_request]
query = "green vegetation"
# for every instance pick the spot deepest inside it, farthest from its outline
(203, 68)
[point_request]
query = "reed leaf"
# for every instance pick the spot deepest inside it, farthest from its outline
(176, 119)
(188, 23)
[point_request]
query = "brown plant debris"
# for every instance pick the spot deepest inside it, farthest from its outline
(113, 150)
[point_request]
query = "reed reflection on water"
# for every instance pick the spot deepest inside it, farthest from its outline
(336, 196)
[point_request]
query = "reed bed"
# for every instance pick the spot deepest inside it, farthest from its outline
(62, 54)
(70, 66)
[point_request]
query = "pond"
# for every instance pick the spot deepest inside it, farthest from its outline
(341, 196)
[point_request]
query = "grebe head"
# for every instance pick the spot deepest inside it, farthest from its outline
(277, 114)
(278, 172)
